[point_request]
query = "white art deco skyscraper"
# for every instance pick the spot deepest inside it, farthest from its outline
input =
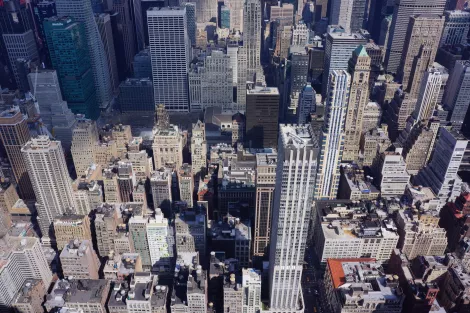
(51, 182)
(332, 137)
(81, 11)
(295, 172)
(169, 51)
(252, 35)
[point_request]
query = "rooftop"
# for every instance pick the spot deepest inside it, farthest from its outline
(230, 229)
(297, 136)
(77, 291)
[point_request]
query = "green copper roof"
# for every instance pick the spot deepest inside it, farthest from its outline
(361, 51)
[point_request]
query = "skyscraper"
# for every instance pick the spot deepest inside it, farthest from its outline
(262, 113)
(52, 185)
(85, 138)
(359, 69)
(332, 138)
(236, 14)
(191, 21)
(457, 94)
(252, 35)
(348, 14)
(338, 49)
(265, 184)
(161, 243)
(206, 10)
(306, 104)
(399, 27)
(296, 168)
(69, 56)
(103, 21)
(124, 18)
(455, 28)
(419, 51)
(14, 133)
(169, 50)
(81, 11)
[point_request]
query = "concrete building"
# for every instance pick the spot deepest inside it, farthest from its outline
(348, 14)
(297, 157)
(122, 134)
(22, 259)
(79, 260)
(139, 240)
(340, 233)
(142, 164)
(399, 28)
(30, 297)
(457, 93)
(353, 185)
(251, 284)
(128, 22)
(233, 293)
(441, 172)
(416, 141)
(104, 151)
(361, 282)
(371, 116)
(142, 64)
(431, 91)
(419, 50)
(338, 50)
(170, 56)
(167, 147)
(160, 236)
(20, 46)
(190, 289)
(455, 28)
(391, 174)
(14, 133)
(307, 104)
(81, 11)
(84, 295)
(359, 69)
(84, 141)
(252, 36)
(332, 137)
(454, 285)
(105, 227)
(186, 184)
(266, 164)
(45, 163)
(262, 113)
(190, 232)
(160, 184)
(70, 227)
(110, 186)
(420, 233)
(103, 21)
(198, 148)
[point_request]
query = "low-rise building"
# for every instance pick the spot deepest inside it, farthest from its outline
(30, 297)
(71, 227)
(354, 185)
(79, 260)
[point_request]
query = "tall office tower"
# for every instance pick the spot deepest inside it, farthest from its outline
(191, 21)
(332, 137)
(441, 172)
(44, 85)
(417, 141)
(81, 11)
(69, 227)
(224, 17)
(391, 174)
(348, 13)
(125, 19)
(105, 224)
(142, 64)
(211, 82)
(455, 29)
(398, 30)
(262, 113)
(431, 91)
(139, 240)
(79, 260)
(186, 184)
(283, 41)
(69, 55)
(20, 46)
(136, 95)
(306, 104)
(457, 94)
(160, 236)
(338, 50)
(199, 149)
(265, 184)
(420, 47)
(206, 11)
(241, 78)
(14, 133)
(251, 284)
(300, 34)
(103, 21)
(22, 259)
(45, 163)
(84, 139)
(43, 10)
(160, 184)
(167, 148)
(252, 35)
(296, 168)
(359, 69)
(298, 70)
(169, 49)
(236, 14)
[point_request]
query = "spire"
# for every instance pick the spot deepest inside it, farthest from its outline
(361, 51)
